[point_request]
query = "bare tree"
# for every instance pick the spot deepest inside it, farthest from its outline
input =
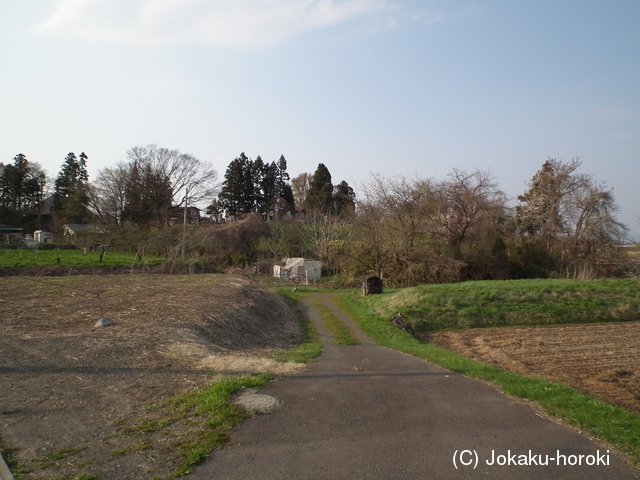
(320, 232)
(370, 246)
(471, 207)
(300, 186)
(594, 236)
(150, 182)
(189, 177)
(390, 228)
(421, 230)
(109, 193)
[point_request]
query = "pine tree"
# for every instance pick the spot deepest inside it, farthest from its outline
(148, 195)
(135, 210)
(320, 193)
(71, 189)
(21, 190)
(283, 189)
(262, 178)
(237, 194)
(256, 186)
(343, 200)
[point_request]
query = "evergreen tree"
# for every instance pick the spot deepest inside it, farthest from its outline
(148, 195)
(256, 186)
(320, 193)
(344, 200)
(215, 210)
(134, 209)
(21, 190)
(539, 212)
(71, 189)
(263, 179)
(237, 193)
(283, 189)
(282, 177)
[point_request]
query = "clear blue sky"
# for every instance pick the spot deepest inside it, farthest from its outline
(399, 87)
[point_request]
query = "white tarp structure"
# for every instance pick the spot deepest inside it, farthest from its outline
(302, 269)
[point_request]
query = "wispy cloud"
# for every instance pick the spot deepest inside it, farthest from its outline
(221, 23)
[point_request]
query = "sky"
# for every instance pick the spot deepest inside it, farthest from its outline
(394, 87)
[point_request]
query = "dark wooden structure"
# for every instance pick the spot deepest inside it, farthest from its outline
(372, 286)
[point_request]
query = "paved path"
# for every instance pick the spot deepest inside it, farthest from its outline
(367, 412)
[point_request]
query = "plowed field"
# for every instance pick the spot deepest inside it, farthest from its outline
(601, 360)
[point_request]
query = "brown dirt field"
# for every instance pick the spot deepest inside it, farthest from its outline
(76, 398)
(601, 360)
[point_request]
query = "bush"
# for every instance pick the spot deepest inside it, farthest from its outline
(242, 260)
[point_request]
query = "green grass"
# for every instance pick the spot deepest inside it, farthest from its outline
(118, 453)
(213, 403)
(341, 333)
(304, 353)
(608, 423)
(505, 303)
(147, 426)
(50, 460)
(70, 258)
(311, 347)
(18, 470)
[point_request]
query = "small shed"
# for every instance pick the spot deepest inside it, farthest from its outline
(40, 236)
(300, 268)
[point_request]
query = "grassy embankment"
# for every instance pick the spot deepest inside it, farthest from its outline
(534, 302)
(528, 302)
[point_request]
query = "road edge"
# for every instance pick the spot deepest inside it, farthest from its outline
(5, 473)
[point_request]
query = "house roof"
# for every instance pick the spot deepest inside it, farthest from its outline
(9, 228)
(297, 262)
(79, 228)
(190, 207)
(45, 207)
(293, 262)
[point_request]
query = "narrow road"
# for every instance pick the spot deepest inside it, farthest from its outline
(368, 412)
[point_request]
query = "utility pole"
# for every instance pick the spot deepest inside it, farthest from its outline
(184, 227)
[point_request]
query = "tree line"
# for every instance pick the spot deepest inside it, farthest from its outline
(25, 192)
(254, 186)
(462, 228)
(405, 230)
